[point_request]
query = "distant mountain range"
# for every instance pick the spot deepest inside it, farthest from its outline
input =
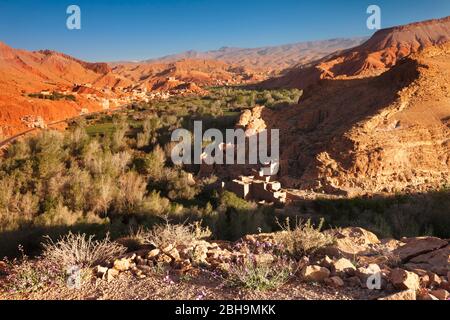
(270, 58)
(377, 55)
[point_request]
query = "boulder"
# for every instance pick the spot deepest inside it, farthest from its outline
(123, 264)
(435, 280)
(437, 261)
(418, 246)
(445, 285)
(426, 296)
(335, 282)
(355, 281)
(403, 280)
(111, 274)
(100, 271)
(403, 295)
(199, 254)
(351, 242)
(315, 273)
(326, 262)
(342, 265)
(441, 294)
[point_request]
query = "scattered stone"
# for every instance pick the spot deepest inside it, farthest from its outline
(326, 262)
(153, 253)
(445, 285)
(100, 271)
(145, 269)
(200, 254)
(441, 294)
(355, 281)
(123, 264)
(334, 282)
(437, 261)
(424, 281)
(435, 280)
(402, 279)
(173, 254)
(111, 274)
(303, 262)
(418, 246)
(342, 265)
(426, 296)
(315, 273)
(264, 259)
(403, 295)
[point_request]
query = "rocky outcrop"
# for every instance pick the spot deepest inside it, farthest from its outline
(390, 279)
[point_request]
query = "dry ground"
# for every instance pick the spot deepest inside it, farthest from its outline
(159, 287)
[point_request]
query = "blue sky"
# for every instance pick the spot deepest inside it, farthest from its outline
(137, 29)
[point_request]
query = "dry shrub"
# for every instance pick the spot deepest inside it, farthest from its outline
(81, 250)
(176, 234)
(304, 238)
(250, 275)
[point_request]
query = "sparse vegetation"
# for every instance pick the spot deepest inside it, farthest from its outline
(80, 250)
(304, 238)
(249, 274)
(53, 96)
(175, 234)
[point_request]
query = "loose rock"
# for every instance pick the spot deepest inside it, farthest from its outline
(402, 279)
(315, 273)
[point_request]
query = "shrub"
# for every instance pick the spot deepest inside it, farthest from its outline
(80, 250)
(248, 274)
(304, 239)
(154, 163)
(176, 234)
(131, 192)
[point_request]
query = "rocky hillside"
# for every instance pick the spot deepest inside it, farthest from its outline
(382, 51)
(271, 59)
(23, 73)
(389, 133)
(194, 72)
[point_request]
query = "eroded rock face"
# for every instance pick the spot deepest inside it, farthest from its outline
(416, 246)
(366, 136)
(437, 261)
